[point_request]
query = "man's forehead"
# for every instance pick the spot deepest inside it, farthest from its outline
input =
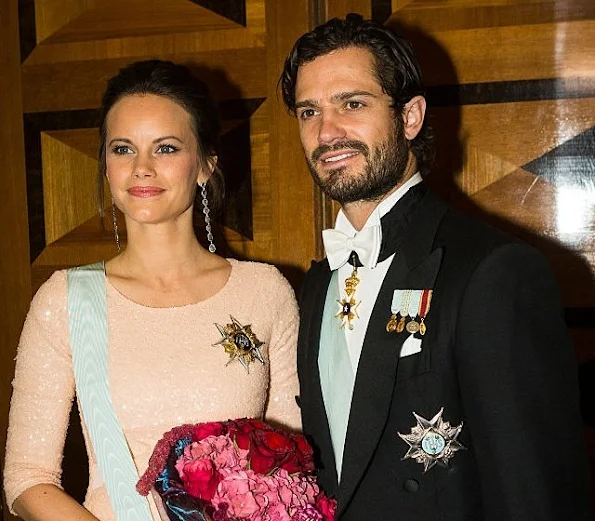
(340, 71)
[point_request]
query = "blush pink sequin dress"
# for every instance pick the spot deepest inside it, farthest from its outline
(164, 371)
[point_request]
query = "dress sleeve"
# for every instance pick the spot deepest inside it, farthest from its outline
(43, 389)
(282, 406)
(519, 389)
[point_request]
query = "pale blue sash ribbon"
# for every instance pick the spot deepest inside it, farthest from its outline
(336, 372)
(87, 316)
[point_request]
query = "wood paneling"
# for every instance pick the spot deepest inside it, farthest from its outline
(15, 278)
(292, 193)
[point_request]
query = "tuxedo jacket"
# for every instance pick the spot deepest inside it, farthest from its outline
(496, 357)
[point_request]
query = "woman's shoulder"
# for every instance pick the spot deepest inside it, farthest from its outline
(260, 275)
(53, 289)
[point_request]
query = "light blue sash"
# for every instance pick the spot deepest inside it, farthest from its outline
(87, 316)
(336, 372)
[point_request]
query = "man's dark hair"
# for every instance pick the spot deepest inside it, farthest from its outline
(396, 67)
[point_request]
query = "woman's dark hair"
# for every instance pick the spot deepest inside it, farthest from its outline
(176, 82)
(396, 67)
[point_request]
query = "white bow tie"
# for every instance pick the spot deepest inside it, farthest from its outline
(366, 243)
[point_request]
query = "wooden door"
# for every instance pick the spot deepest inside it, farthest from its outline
(54, 72)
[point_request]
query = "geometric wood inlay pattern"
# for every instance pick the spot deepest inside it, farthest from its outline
(235, 10)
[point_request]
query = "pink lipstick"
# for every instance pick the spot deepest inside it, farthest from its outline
(145, 191)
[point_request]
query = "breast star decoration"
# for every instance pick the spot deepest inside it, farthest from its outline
(432, 442)
(240, 343)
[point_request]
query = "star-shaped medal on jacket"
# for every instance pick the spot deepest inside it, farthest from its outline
(432, 442)
(240, 343)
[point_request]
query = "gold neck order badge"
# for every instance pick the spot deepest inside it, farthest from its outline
(348, 305)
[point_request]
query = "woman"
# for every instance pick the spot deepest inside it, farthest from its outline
(169, 301)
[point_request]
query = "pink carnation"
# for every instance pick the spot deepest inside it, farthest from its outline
(218, 449)
(256, 497)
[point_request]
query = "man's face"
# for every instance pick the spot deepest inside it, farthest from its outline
(352, 138)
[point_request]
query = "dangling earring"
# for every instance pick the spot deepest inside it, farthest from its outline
(115, 221)
(206, 211)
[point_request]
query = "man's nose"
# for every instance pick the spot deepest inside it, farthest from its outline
(331, 128)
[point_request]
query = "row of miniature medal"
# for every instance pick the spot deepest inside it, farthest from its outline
(409, 309)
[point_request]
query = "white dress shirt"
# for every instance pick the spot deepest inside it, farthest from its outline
(370, 278)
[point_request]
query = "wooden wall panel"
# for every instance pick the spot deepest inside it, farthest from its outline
(15, 277)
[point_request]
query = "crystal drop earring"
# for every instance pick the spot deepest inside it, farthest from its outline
(115, 222)
(206, 211)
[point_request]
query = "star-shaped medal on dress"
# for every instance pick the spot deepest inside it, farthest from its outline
(348, 305)
(432, 442)
(240, 343)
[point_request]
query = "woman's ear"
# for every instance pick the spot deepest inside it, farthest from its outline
(205, 173)
(413, 113)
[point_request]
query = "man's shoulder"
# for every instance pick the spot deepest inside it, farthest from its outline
(470, 233)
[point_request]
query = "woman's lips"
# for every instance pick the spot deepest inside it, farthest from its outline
(145, 191)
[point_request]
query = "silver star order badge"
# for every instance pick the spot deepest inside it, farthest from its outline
(432, 442)
(240, 343)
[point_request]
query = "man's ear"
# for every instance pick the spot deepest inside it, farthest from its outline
(413, 115)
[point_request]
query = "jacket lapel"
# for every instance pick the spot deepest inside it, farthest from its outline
(415, 266)
(313, 410)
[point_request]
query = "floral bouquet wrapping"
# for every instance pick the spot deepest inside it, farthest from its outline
(235, 470)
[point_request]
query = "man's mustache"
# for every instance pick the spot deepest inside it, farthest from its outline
(353, 145)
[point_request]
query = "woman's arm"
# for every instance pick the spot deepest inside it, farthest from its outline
(282, 407)
(43, 389)
(49, 503)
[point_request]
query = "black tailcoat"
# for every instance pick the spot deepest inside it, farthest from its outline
(496, 356)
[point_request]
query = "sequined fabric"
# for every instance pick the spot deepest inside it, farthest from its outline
(164, 371)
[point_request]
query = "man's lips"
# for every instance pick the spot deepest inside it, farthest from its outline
(145, 191)
(335, 157)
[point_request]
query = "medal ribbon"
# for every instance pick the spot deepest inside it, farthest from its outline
(424, 305)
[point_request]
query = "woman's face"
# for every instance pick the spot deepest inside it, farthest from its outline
(152, 159)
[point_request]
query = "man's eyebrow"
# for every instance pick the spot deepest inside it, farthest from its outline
(340, 96)
(306, 103)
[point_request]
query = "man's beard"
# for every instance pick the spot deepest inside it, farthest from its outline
(385, 168)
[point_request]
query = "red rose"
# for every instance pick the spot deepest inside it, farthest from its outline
(304, 453)
(270, 450)
(203, 430)
(240, 431)
(326, 506)
(201, 479)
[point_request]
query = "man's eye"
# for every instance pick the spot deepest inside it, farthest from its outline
(354, 105)
(166, 149)
(307, 113)
(121, 150)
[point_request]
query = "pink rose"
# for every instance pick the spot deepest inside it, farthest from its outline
(326, 506)
(200, 478)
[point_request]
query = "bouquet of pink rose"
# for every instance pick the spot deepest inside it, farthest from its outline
(235, 470)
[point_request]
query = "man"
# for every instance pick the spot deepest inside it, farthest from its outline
(437, 377)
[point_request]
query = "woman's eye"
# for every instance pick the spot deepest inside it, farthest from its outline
(121, 150)
(166, 149)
